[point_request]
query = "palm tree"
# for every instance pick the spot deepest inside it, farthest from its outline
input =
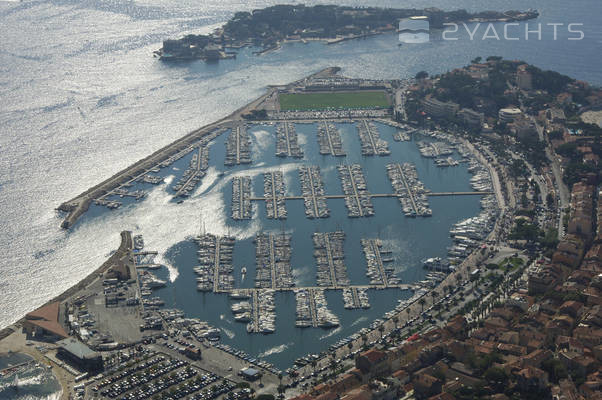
(333, 365)
(381, 329)
(350, 346)
(422, 301)
(396, 321)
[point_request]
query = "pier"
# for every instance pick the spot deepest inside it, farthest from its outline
(238, 146)
(312, 309)
(371, 142)
(273, 261)
(313, 192)
(330, 255)
(241, 197)
(354, 298)
(263, 313)
(287, 141)
(412, 194)
(434, 149)
(194, 173)
(274, 192)
(215, 259)
(357, 197)
(256, 311)
(376, 271)
(329, 140)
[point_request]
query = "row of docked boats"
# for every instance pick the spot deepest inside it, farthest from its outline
(194, 173)
(241, 198)
(354, 298)
(434, 149)
(357, 198)
(378, 260)
(287, 141)
(370, 139)
(274, 193)
(263, 313)
(273, 260)
(329, 253)
(215, 263)
(312, 189)
(312, 310)
(238, 146)
(329, 140)
(409, 189)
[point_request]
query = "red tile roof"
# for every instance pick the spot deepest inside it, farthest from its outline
(47, 318)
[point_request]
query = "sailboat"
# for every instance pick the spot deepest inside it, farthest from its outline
(243, 271)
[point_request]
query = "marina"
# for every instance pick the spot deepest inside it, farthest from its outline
(273, 261)
(324, 298)
(330, 259)
(312, 189)
(241, 198)
(215, 263)
(376, 258)
(357, 197)
(238, 146)
(274, 192)
(287, 141)
(329, 140)
(411, 192)
(372, 144)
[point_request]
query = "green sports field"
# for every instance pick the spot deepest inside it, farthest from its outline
(340, 100)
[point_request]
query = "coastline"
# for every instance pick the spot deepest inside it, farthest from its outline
(226, 37)
(78, 205)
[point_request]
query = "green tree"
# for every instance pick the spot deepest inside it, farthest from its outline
(422, 75)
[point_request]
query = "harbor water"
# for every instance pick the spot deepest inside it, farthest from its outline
(410, 240)
(32, 381)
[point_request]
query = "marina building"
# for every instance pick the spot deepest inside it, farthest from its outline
(81, 355)
(44, 322)
(471, 117)
(438, 108)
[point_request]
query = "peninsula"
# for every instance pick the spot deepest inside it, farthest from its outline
(267, 28)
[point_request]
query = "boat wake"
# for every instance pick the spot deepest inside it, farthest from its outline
(274, 350)
(228, 332)
(359, 321)
(331, 333)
